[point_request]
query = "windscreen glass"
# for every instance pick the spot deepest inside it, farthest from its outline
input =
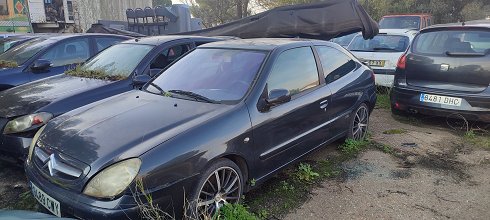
(400, 22)
(381, 43)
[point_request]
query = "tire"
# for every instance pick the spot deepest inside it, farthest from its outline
(359, 123)
(205, 199)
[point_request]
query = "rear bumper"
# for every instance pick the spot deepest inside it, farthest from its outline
(408, 99)
(384, 77)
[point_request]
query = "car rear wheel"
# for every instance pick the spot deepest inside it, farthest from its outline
(359, 123)
(220, 184)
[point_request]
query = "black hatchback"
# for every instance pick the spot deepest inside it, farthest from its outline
(446, 72)
(216, 123)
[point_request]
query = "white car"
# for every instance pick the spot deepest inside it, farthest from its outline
(382, 52)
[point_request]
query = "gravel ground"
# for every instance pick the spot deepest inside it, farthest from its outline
(434, 175)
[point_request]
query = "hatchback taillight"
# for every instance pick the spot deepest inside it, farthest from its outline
(402, 62)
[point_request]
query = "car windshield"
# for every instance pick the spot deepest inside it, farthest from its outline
(453, 41)
(120, 59)
(210, 75)
(7, 43)
(344, 40)
(380, 43)
(23, 52)
(400, 22)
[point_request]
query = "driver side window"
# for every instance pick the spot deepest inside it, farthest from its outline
(294, 70)
(68, 52)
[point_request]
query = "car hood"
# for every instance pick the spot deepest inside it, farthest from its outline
(124, 126)
(28, 98)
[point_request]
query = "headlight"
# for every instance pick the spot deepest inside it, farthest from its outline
(27, 122)
(33, 143)
(113, 180)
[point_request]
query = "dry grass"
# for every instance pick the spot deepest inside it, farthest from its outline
(94, 74)
(8, 64)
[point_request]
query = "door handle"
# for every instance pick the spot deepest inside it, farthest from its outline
(324, 104)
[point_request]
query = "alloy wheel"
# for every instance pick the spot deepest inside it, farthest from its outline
(221, 187)
(360, 123)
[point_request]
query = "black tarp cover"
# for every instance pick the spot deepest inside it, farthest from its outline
(324, 20)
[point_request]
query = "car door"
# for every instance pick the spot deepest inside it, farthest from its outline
(63, 56)
(287, 131)
(341, 78)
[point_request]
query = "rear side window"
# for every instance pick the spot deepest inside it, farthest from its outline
(294, 70)
(452, 41)
(335, 63)
(68, 52)
(105, 42)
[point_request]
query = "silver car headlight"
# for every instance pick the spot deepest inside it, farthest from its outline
(113, 180)
(27, 122)
(34, 142)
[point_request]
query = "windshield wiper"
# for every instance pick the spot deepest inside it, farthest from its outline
(386, 48)
(162, 92)
(362, 50)
(196, 96)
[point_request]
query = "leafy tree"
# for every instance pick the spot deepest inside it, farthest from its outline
(270, 4)
(165, 3)
(216, 12)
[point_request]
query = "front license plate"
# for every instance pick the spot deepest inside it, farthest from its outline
(439, 99)
(47, 201)
(378, 63)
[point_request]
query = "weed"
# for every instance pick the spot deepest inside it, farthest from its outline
(25, 202)
(148, 209)
(234, 211)
(263, 214)
(383, 101)
(8, 64)
(395, 131)
(253, 182)
(476, 139)
(352, 147)
(385, 148)
(94, 74)
(286, 186)
(305, 173)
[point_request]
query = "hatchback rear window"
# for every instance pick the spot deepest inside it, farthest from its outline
(453, 41)
(380, 43)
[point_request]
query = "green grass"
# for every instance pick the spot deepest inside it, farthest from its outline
(25, 202)
(478, 140)
(305, 173)
(94, 74)
(235, 211)
(383, 101)
(395, 131)
(352, 147)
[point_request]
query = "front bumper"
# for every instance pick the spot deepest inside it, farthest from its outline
(408, 99)
(14, 149)
(170, 199)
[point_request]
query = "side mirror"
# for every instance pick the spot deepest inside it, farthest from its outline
(141, 80)
(278, 96)
(41, 65)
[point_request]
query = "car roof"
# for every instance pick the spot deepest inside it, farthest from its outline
(157, 40)
(404, 32)
(475, 23)
(266, 44)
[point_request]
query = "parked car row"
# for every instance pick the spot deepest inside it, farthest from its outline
(192, 119)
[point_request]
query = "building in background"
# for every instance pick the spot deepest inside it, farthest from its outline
(13, 16)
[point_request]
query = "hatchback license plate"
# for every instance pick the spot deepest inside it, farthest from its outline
(439, 99)
(378, 63)
(47, 201)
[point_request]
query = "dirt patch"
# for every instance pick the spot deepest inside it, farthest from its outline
(14, 191)
(428, 172)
